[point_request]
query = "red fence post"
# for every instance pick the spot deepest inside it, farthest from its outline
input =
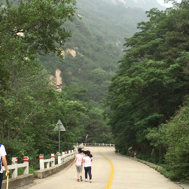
(134, 154)
(26, 161)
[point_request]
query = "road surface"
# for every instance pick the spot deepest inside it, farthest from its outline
(109, 170)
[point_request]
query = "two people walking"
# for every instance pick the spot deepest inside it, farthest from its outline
(80, 159)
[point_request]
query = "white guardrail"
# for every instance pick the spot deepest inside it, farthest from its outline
(61, 158)
(14, 167)
(94, 144)
(50, 162)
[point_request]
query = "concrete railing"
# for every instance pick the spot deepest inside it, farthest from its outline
(66, 156)
(61, 158)
(15, 165)
(48, 162)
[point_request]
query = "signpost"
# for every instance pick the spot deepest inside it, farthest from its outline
(59, 127)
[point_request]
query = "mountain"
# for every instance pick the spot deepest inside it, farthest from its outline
(96, 45)
(112, 22)
(144, 4)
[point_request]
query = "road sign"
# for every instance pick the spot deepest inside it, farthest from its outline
(59, 124)
(59, 127)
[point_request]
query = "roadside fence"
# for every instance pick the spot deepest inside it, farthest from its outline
(15, 165)
(65, 156)
(94, 144)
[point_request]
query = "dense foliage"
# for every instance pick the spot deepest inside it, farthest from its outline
(29, 105)
(96, 53)
(149, 87)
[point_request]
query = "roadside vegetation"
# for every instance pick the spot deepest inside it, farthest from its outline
(146, 102)
(148, 96)
(29, 106)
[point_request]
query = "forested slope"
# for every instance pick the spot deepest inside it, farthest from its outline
(113, 22)
(97, 43)
(91, 55)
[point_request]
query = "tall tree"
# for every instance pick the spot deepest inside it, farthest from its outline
(150, 84)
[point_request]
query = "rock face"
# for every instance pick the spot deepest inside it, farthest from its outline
(71, 51)
(68, 51)
(58, 77)
(56, 80)
(145, 4)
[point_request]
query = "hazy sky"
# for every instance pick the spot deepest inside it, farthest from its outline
(167, 5)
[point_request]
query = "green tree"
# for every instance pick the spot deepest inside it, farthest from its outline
(150, 84)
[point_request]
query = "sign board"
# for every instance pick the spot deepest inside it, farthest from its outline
(59, 124)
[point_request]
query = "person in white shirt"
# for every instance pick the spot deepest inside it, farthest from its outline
(78, 159)
(4, 160)
(87, 166)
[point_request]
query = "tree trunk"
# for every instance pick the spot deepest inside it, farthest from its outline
(8, 123)
(3, 125)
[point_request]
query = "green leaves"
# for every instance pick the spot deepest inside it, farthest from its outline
(39, 24)
(150, 84)
(29, 106)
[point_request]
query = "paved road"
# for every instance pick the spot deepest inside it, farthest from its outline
(128, 174)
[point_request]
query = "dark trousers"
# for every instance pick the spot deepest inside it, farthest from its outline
(1, 179)
(88, 171)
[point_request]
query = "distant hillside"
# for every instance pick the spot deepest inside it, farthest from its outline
(95, 47)
(112, 22)
(89, 62)
(144, 4)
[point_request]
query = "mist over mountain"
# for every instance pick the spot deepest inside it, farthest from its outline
(144, 4)
(112, 21)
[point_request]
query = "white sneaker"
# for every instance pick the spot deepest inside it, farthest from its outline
(85, 180)
(90, 181)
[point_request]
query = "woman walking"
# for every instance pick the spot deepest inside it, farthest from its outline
(87, 166)
(78, 159)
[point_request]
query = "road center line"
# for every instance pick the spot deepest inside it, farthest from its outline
(109, 183)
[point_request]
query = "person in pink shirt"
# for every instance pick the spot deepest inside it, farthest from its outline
(78, 159)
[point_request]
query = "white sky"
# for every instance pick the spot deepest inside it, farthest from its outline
(166, 4)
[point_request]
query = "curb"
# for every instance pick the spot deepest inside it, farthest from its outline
(154, 166)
